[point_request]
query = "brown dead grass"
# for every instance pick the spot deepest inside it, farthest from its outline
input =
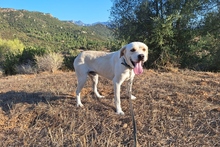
(179, 108)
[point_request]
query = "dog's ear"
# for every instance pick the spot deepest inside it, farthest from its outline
(122, 51)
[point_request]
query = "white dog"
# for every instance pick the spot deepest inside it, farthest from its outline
(118, 66)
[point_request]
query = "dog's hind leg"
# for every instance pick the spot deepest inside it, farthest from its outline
(81, 81)
(94, 78)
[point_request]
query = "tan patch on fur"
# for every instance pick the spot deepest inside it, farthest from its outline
(122, 51)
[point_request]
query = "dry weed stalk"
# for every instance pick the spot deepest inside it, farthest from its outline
(49, 62)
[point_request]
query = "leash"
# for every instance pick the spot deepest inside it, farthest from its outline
(132, 114)
(130, 103)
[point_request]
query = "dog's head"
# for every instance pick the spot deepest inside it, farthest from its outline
(135, 54)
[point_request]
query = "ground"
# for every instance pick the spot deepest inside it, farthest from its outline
(180, 108)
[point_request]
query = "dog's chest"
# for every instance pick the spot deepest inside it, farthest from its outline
(129, 74)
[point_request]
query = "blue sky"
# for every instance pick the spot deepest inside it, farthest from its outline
(88, 11)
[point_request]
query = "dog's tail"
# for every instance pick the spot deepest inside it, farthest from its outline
(74, 57)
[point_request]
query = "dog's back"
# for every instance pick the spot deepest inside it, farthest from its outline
(95, 61)
(90, 56)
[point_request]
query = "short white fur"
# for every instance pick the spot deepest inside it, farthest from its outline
(109, 65)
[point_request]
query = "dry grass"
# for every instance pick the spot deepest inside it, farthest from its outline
(25, 69)
(181, 108)
(49, 62)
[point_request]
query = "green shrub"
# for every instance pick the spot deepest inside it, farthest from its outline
(12, 46)
(29, 53)
(19, 61)
(10, 51)
(204, 55)
(11, 60)
(69, 58)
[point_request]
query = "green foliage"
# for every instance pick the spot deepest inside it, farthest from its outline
(101, 30)
(10, 53)
(116, 45)
(29, 53)
(10, 46)
(169, 29)
(36, 28)
(11, 60)
(13, 55)
(69, 58)
(163, 42)
(206, 54)
(28, 34)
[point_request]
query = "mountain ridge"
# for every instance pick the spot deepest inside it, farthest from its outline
(35, 28)
(80, 23)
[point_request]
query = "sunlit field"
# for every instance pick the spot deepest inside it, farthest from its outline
(180, 108)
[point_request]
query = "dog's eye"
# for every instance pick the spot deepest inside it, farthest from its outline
(144, 49)
(133, 50)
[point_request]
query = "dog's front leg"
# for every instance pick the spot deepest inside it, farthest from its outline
(129, 88)
(117, 88)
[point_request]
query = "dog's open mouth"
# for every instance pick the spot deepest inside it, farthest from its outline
(138, 69)
(132, 62)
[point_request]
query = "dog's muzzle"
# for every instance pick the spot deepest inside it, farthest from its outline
(141, 57)
(138, 66)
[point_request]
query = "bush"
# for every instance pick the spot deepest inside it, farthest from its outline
(69, 58)
(21, 62)
(49, 62)
(204, 55)
(10, 53)
(10, 46)
(11, 59)
(29, 53)
(27, 68)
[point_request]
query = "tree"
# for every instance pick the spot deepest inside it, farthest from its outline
(209, 41)
(166, 26)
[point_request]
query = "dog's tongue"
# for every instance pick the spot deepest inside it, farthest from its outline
(138, 69)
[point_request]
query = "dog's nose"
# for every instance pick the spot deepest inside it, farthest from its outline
(141, 57)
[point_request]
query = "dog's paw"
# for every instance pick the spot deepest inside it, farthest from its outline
(79, 105)
(133, 97)
(100, 96)
(120, 112)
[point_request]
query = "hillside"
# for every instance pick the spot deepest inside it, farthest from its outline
(172, 109)
(40, 29)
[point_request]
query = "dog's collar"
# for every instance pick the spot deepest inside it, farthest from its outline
(126, 64)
